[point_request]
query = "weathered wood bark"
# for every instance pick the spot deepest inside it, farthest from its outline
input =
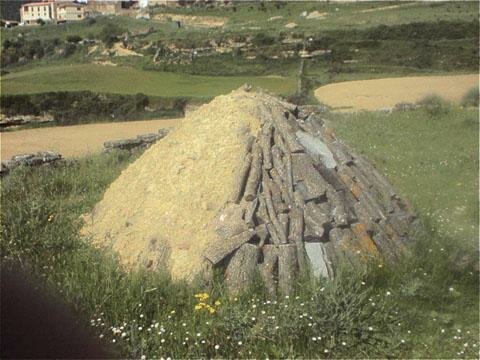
(218, 250)
(277, 161)
(304, 172)
(255, 174)
(287, 198)
(241, 179)
(279, 143)
(262, 234)
(269, 268)
(266, 143)
(271, 210)
(317, 220)
(241, 268)
(287, 267)
(230, 221)
(250, 212)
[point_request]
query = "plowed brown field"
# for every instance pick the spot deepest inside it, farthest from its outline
(77, 140)
(385, 93)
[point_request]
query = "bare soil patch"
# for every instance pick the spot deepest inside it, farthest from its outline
(75, 141)
(385, 93)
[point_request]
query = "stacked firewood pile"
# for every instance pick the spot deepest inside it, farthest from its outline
(303, 202)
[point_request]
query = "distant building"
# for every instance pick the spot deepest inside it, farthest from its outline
(71, 12)
(49, 11)
(30, 13)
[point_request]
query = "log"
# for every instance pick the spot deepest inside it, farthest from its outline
(288, 175)
(241, 179)
(296, 225)
(241, 268)
(273, 233)
(304, 171)
(271, 209)
(287, 198)
(317, 220)
(279, 143)
(220, 249)
(301, 258)
(262, 234)
(250, 212)
(269, 268)
(255, 174)
(277, 161)
(330, 176)
(284, 221)
(341, 153)
(265, 143)
(341, 214)
(230, 221)
(278, 204)
(287, 268)
(288, 133)
(261, 215)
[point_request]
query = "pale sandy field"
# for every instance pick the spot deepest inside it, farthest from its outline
(385, 93)
(77, 140)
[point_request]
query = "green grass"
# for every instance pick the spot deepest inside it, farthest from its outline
(339, 16)
(429, 299)
(125, 80)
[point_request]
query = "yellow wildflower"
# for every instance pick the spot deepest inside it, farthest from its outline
(198, 307)
(218, 303)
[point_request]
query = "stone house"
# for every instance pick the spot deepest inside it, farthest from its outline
(30, 13)
(52, 11)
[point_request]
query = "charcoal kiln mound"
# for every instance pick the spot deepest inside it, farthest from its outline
(250, 183)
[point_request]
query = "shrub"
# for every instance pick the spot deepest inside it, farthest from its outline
(74, 38)
(262, 39)
(434, 105)
(471, 97)
(40, 22)
(110, 33)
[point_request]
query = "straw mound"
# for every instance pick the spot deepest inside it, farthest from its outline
(159, 211)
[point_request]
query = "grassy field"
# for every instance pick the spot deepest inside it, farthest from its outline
(124, 80)
(251, 16)
(426, 306)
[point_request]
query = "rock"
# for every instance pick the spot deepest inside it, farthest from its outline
(316, 257)
(38, 159)
(141, 141)
(291, 25)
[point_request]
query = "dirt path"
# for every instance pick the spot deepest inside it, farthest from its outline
(77, 140)
(385, 93)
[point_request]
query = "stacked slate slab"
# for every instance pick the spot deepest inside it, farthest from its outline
(303, 202)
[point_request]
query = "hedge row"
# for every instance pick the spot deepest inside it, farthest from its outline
(68, 108)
